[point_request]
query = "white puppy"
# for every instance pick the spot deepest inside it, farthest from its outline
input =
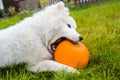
(34, 39)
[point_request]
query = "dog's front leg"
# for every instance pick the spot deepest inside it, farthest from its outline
(50, 65)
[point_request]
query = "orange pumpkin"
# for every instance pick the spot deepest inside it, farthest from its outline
(74, 55)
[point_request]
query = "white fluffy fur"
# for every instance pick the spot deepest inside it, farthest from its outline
(29, 41)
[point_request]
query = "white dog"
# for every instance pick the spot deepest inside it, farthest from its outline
(34, 39)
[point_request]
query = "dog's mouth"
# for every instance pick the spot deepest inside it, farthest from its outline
(56, 43)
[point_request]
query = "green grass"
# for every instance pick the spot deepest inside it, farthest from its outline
(99, 24)
(9, 21)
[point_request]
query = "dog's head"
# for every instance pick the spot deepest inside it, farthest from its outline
(61, 26)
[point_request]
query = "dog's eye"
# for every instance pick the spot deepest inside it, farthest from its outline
(69, 25)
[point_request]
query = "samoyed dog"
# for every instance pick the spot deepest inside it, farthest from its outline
(35, 39)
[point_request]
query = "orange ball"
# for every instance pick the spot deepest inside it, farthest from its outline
(72, 54)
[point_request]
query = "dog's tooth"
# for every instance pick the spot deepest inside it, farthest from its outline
(54, 48)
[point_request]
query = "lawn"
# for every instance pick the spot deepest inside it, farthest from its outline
(99, 24)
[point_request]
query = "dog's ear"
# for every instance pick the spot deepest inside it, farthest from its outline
(60, 5)
(57, 9)
(61, 9)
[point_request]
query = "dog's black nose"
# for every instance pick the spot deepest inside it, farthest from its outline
(80, 38)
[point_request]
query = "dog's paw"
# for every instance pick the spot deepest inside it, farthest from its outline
(70, 70)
